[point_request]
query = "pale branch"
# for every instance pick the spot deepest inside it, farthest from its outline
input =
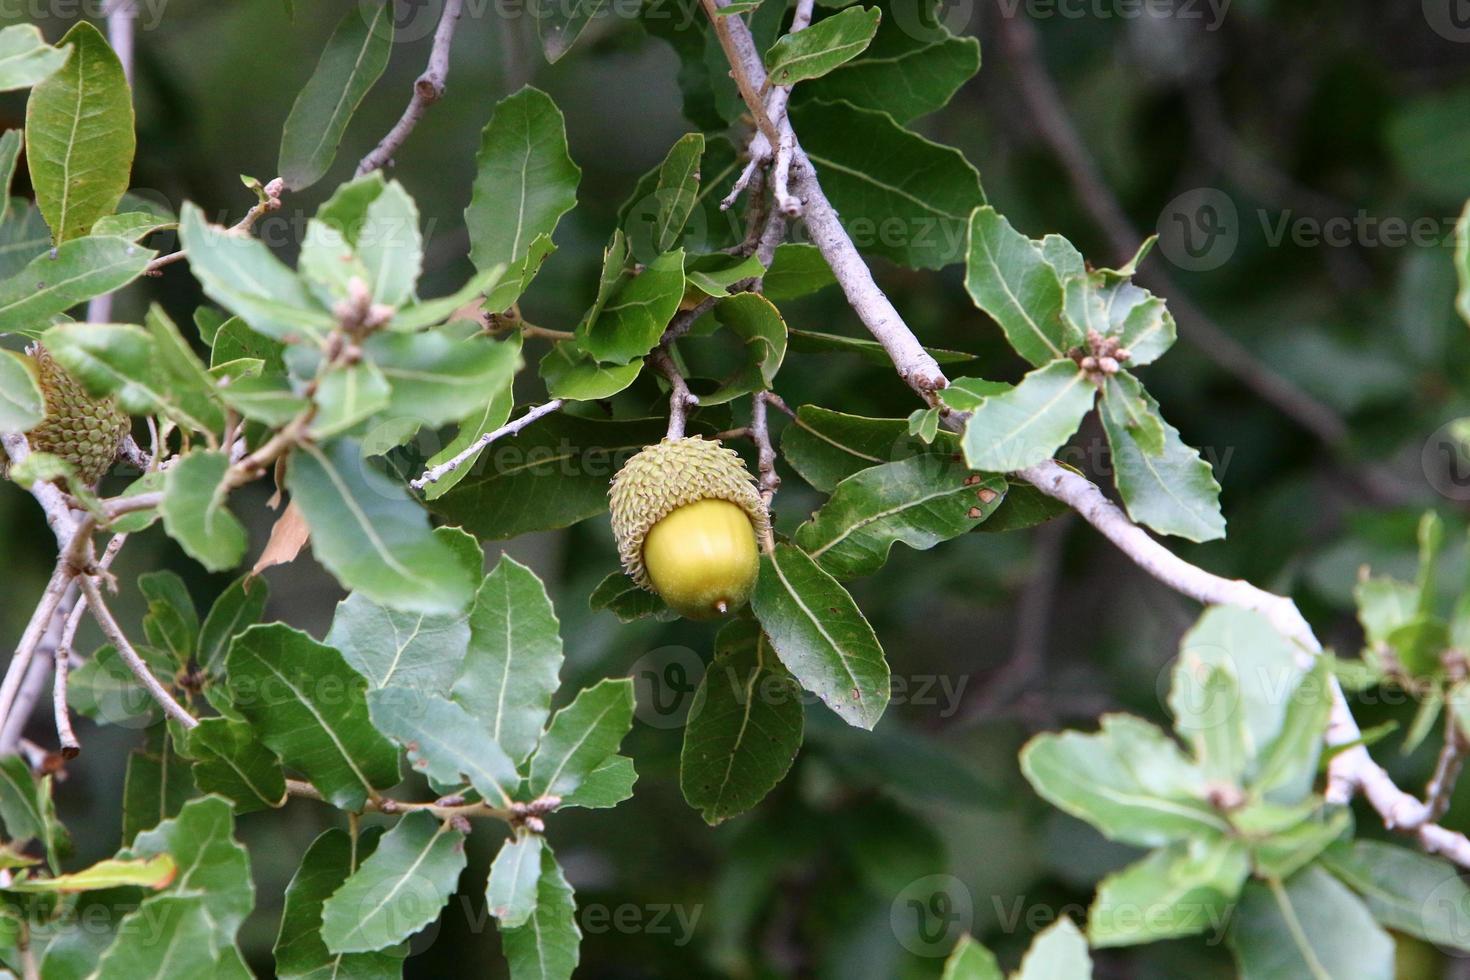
(48, 495)
(35, 672)
(119, 640)
(428, 88)
(121, 24)
(769, 481)
(1447, 768)
(1351, 768)
(30, 639)
(681, 399)
(64, 651)
(437, 473)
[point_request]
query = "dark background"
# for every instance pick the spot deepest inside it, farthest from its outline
(1346, 118)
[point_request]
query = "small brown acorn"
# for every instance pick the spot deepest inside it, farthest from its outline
(82, 430)
(686, 515)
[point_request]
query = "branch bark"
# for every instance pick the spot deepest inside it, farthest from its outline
(437, 473)
(428, 88)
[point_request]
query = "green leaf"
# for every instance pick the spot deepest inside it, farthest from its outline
(1057, 953)
(573, 374)
(132, 225)
(192, 926)
(417, 316)
(23, 235)
(26, 59)
(28, 811)
(1311, 926)
(1405, 890)
(744, 726)
(196, 511)
(827, 447)
(154, 873)
(760, 327)
(1010, 279)
(511, 892)
(104, 689)
(619, 595)
(552, 474)
(1261, 661)
(1128, 780)
(444, 742)
(1181, 890)
(546, 947)
(398, 890)
(79, 135)
(714, 273)
(560, 25)
(299, 951)
(371, 535)
(525, 181)
(192, 398)
(919, 501)
(820, 48)
(1108, 303)
(1026, 425)
(630, 323)
(607, 785)
(241, 604)
(902, 73)
(22, 406)
(971, 961)
(308, 706)
(230, 761)
(390, 246)
(655, 222)
(1172, 491)
(1290, 837)
(1126, 408)
(1288, 764)
(171, 624)
(354, 58)
(821, 636)
(797, 270)
(439, 378)
(349, 395)
(55, 281)
(511, 669)
(240, 273)
(881, 176)
(581, 736)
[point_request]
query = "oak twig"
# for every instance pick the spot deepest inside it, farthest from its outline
(437, 473)
(428, 88)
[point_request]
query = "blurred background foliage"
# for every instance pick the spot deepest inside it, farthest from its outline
(1294, 110)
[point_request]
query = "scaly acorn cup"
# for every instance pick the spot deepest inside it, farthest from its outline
(686, 514)
(82, 430)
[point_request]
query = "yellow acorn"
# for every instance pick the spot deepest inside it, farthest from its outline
(82, 430)
(687, 515)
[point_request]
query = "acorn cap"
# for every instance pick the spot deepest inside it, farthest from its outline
(82, 430)
(666, 476)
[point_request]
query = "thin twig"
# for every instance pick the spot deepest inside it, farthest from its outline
(681, 399)
(1447, 768)
(271, 202)
(428, 88)
(119, 640)
(40, 621)
(437, 473)
(444, 811)
(769, 481)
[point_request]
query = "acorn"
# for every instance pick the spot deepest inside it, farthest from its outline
(686, 515)
(82, 430)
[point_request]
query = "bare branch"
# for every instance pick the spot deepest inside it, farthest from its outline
(103, 615)
(681, 399)
(271, 202)
(428, 88)
(437, 473)
(769, 481)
